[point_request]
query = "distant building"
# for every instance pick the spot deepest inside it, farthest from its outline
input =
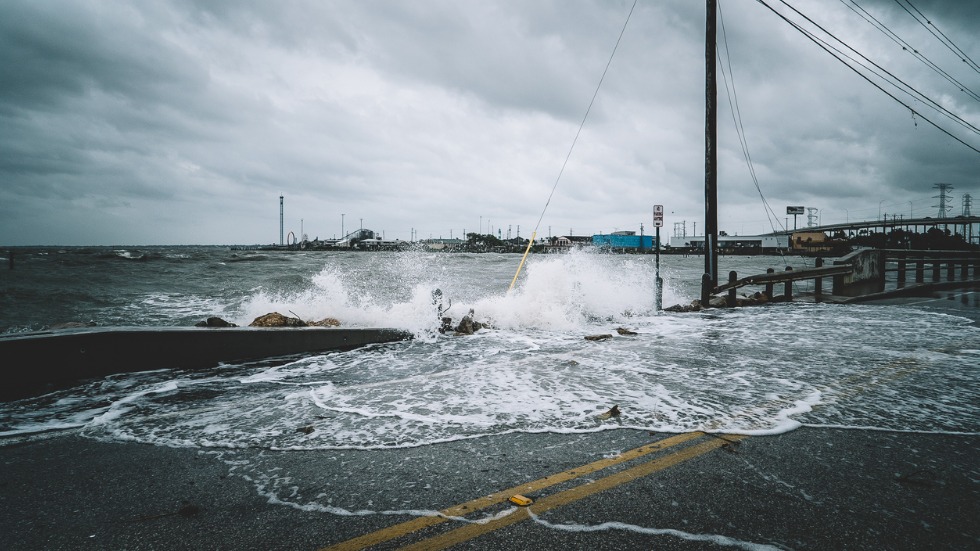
(442, 244)
(757, 244)
(623, 241)
(811, 241)
(565, 243)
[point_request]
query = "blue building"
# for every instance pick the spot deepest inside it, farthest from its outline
(627, 241)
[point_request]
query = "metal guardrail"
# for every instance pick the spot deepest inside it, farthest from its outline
(860, 275)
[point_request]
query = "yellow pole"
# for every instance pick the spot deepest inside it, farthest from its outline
(523, 258)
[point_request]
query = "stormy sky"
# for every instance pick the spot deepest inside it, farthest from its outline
(182, 122)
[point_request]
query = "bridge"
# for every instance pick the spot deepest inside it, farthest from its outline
(967, 226)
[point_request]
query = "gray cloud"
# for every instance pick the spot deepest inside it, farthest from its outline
(182, 121)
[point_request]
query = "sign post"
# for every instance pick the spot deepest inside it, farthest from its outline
(658, 221)
(795, 211)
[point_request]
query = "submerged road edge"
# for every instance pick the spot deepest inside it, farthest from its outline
(47, 360)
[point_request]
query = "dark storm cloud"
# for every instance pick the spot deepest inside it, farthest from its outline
(183, 121)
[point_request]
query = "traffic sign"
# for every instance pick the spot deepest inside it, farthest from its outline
(658, 215)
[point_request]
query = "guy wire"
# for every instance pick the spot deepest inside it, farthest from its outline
(572, 147)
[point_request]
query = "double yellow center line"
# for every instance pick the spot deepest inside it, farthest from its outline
(544, 504)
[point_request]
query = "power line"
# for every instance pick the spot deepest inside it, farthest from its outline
(905, 88)
(864, 14)
(840, 55)
(584, 118)
(737, 119)
(929, 26)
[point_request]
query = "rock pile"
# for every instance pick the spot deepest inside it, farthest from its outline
(756, 299)
(273, 319)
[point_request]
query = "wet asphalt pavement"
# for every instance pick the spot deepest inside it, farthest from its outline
(807, 489)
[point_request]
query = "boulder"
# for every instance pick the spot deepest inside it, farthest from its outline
(597, 337)
(625, 332)
(467, 326)
(214, 322)
(718, 302)
(326, 322)
(275, 319)
(613, 412)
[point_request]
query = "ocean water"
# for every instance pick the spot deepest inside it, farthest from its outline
(911, 366)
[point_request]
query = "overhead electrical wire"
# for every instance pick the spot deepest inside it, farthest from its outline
(875, 22)
(737, 119)
(891, 79)
(840, 56)
(941, 36)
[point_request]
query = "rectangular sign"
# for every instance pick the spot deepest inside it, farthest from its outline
(795, 210)
(658, 215)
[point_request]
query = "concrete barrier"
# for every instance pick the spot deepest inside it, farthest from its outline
(47, 360)
(867, 275)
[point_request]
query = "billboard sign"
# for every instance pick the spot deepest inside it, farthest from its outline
(795, 210)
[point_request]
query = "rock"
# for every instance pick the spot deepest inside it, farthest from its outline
(214, 322)
(326, 322)
(275, 319)
(467, 326)
(626, 332)
(718, 302)
(613, 412)
(597, 337)
(308, 429)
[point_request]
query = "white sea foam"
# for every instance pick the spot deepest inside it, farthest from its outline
(751, 371)
(716, 539)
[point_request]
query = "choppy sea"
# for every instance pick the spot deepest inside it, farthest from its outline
(909, 366)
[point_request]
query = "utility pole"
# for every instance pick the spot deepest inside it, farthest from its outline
(710, 147)
(280, 222)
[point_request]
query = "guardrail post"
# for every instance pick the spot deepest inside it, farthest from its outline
(788, 287)
(920, 270)
(900, 278)
(706, 291)
(818, 282)
(769, 285)
(732, 278)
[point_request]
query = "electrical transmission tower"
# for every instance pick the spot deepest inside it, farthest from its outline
(811, 217)
(943, 188)
(967, 201)
(680, 229)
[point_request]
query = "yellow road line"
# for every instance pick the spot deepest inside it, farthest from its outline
(463, 509)
(471, 531)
